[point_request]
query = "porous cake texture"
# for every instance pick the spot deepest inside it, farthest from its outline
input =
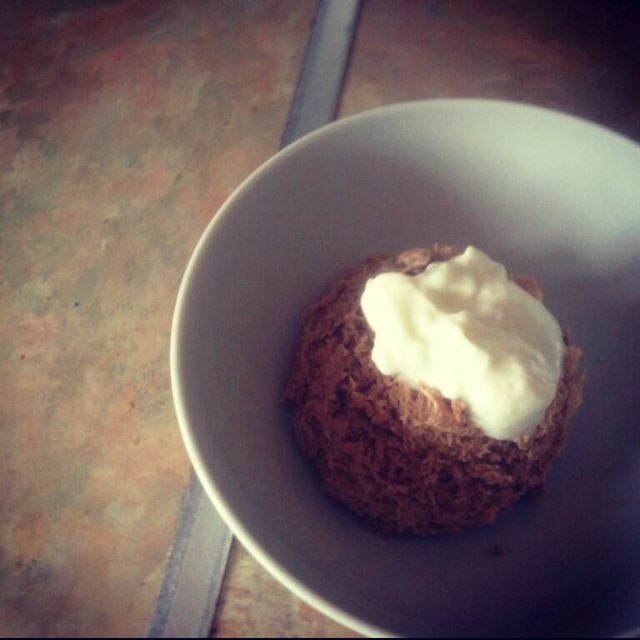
(408, 460)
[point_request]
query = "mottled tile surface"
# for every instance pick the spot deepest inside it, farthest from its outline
(575, 56)
(123, 126)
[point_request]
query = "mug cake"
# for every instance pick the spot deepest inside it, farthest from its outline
(432, 390)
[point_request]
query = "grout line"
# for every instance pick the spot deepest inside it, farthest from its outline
(195, 569)
(188, 596)
(320, 81)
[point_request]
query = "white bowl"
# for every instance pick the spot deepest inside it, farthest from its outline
(542, 192)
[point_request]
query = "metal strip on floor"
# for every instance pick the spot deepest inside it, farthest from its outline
(320, 81)
(186, 603)
(188, 596)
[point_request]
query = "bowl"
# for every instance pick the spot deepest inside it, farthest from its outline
(543, 192)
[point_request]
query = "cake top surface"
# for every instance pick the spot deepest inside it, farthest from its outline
(466, 329)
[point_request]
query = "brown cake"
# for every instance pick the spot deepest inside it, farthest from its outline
(407, 460)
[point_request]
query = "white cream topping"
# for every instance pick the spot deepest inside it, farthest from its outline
(463, 328)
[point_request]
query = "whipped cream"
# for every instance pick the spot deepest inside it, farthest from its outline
(463, 328)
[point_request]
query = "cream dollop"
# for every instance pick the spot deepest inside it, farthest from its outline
(464, 328)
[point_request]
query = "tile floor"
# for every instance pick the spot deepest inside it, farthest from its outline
(124, 124)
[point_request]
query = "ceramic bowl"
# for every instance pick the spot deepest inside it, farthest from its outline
(544, 193)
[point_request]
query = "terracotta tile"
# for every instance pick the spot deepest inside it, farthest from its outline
(123, 126)
(573, 56)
